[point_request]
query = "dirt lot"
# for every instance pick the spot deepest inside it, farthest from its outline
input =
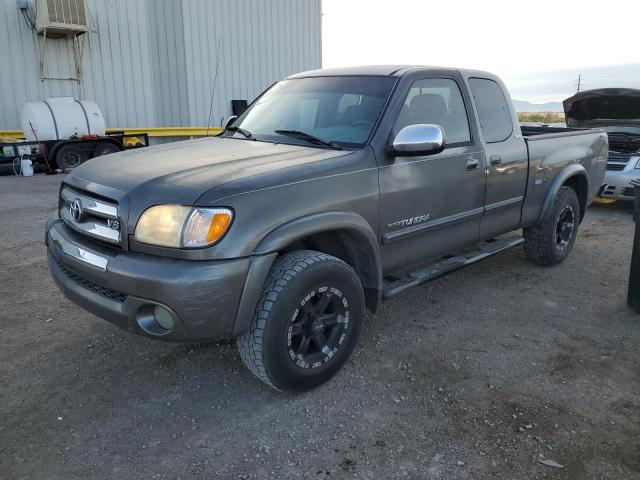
(482, 374)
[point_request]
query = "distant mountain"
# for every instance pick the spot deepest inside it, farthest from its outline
(522, 106)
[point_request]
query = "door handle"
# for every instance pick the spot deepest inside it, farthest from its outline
(495, 159)
(473, 164)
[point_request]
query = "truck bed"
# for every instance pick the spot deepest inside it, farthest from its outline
(535, 130)
(550, 150)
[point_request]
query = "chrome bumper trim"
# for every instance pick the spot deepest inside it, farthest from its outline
(78, 253)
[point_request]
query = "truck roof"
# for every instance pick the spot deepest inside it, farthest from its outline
(383, 70)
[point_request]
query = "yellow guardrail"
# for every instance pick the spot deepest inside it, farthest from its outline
(170, 131)
(152, 132)
(11, 134)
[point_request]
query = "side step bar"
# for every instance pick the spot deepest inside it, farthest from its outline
(447, 265)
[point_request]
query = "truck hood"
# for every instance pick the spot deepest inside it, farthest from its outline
(181, 172)
(603, 107)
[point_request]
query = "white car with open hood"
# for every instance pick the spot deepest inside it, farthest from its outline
(617, 111)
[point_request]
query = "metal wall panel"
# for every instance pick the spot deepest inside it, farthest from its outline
(254, 42)
(117, 70)
(151, 63)
(167, 58)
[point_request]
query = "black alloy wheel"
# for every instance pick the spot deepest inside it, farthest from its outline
(318, 327)
(564, 227)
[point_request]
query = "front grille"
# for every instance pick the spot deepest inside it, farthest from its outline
(628, 192)
(94, 287)
(624, 143)
(99, 218)
(616, 166)
(617, 161)
(618, 156)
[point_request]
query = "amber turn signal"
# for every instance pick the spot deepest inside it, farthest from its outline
(219, 225)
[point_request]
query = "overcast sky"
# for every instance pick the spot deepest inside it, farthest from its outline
(539, 48)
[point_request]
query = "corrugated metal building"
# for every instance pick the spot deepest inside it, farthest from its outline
(152, 63)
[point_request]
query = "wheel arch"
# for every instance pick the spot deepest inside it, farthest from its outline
(573, 176)
(345, 235)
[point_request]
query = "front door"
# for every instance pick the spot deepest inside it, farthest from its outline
(432, 205)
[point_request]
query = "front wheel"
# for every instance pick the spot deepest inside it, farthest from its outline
(550, 241)
(306, 323)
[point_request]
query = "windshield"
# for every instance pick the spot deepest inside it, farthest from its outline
(324, 112)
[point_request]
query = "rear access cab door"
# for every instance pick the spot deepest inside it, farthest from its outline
(429, 205)
(506, 154)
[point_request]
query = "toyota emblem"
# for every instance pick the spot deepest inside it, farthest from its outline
(75, 209)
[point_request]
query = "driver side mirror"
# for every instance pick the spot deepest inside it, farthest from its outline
(418, 140)
(232, 119)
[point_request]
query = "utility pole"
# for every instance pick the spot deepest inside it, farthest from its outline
(579, 82)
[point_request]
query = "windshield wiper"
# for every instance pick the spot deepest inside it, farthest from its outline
(309, 138)
(242, 131)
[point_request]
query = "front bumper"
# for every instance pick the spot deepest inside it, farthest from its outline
(209, 300)
(617, 185)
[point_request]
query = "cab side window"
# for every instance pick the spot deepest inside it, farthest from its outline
(436, 101)
(493, 110)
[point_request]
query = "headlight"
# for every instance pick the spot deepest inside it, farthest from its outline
(637, 163)
(177, 226)
(206, 226)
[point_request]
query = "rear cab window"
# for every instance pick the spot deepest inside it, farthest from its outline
(496, 123)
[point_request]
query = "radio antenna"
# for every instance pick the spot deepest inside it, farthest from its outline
(213, 89)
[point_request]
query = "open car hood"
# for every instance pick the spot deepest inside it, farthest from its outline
(603, 107)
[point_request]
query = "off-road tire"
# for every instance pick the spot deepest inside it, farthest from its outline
(540, 242)
(266, 348)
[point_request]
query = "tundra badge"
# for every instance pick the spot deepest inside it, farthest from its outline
(407, 222)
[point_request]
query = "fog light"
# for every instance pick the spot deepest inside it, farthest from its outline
(163, 317)
(156, 319)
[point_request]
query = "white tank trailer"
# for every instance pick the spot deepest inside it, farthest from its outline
(63, 132)
(60, 118)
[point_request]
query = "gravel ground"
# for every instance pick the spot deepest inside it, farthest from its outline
(486, 373)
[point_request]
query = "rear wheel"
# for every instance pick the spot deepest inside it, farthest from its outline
(550, 242)
(306, 323)
(70, 156)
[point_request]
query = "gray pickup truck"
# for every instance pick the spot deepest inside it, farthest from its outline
(334, 190)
